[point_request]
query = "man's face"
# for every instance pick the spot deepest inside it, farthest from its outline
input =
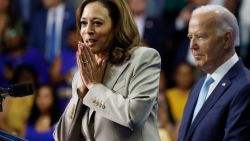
(51, 3)
(206, 43)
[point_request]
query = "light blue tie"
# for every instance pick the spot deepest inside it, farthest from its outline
(202, 96)
(52, 39)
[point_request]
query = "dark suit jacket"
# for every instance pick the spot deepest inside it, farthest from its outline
(225, 114)
(37, 36)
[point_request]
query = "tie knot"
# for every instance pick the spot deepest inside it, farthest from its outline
(209, 80)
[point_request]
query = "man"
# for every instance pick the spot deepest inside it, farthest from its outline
(48, 31)
(224, 115)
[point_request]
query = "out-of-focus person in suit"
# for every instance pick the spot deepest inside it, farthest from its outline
(218, 110)
(48, 28)
(116, 86)
(152, 30)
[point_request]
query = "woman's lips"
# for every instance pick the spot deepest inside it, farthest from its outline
(91, 42)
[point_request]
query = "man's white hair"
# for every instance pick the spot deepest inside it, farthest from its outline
(225, 18)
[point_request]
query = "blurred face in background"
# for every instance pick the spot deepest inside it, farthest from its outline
(12, 38)
(44, 99)
(4, 4)
(197, 3)
(184, 76)
(26, 77)
(51, 3)
(138, 7)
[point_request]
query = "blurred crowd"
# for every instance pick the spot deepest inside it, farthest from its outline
(38, 41)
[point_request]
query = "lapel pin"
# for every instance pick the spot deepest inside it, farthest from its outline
(223, 84)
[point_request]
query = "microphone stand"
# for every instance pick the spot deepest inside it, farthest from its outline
(5, 136)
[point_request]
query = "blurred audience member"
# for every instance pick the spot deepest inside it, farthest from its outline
(17, 109)
(166, 121)
(179, 51)
(177, 96)
(7, 19)
(44, 114)
(155, 8)
(25, 10)
(245, 31)
(18, 53)
(64, 67)
(49, 28)
(73, 3)
(152, 30)
(172, 8)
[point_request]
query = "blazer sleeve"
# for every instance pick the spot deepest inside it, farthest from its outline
(143, 88)
(238, 121)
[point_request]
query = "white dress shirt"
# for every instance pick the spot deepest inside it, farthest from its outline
(59, 12)
(219, 73)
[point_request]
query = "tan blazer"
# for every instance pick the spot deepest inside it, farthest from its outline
(123, 108)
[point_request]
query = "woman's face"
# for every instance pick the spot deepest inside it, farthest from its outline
(44, 99)
(96, 27)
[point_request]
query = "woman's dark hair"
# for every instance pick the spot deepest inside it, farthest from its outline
(54, 110)
(126, 35)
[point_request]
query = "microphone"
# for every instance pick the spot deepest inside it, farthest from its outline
(17, 90)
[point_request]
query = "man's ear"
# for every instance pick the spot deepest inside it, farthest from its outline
(228, 39)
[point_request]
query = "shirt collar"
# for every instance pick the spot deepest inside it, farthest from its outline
(219, 73)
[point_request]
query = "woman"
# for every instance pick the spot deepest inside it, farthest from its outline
(115, 90)
(44, 114)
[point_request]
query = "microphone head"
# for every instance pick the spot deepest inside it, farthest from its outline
(20, 90)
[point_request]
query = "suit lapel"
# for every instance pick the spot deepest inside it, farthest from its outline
(188, 113)
(219, 90)
(112, 74)
(75, 129)
(209, 103)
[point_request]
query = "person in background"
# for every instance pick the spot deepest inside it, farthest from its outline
(218, 105)
(18, 53)
(48, 28)
(166, 121)
(64, 68)
(152, 30)
(7, 19)
(115, 90)
(178, 95)
(43, 116)
(17, 109)
(25, 9)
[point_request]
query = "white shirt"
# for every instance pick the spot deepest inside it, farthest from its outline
(140, 23)
(59, 12)
(219, 73)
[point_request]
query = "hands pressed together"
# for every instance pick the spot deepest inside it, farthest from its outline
(91, 68)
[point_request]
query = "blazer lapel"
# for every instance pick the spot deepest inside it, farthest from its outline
(188, 113)
(75, 130)
(219, 90)
(112, 74)
(209, 103)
